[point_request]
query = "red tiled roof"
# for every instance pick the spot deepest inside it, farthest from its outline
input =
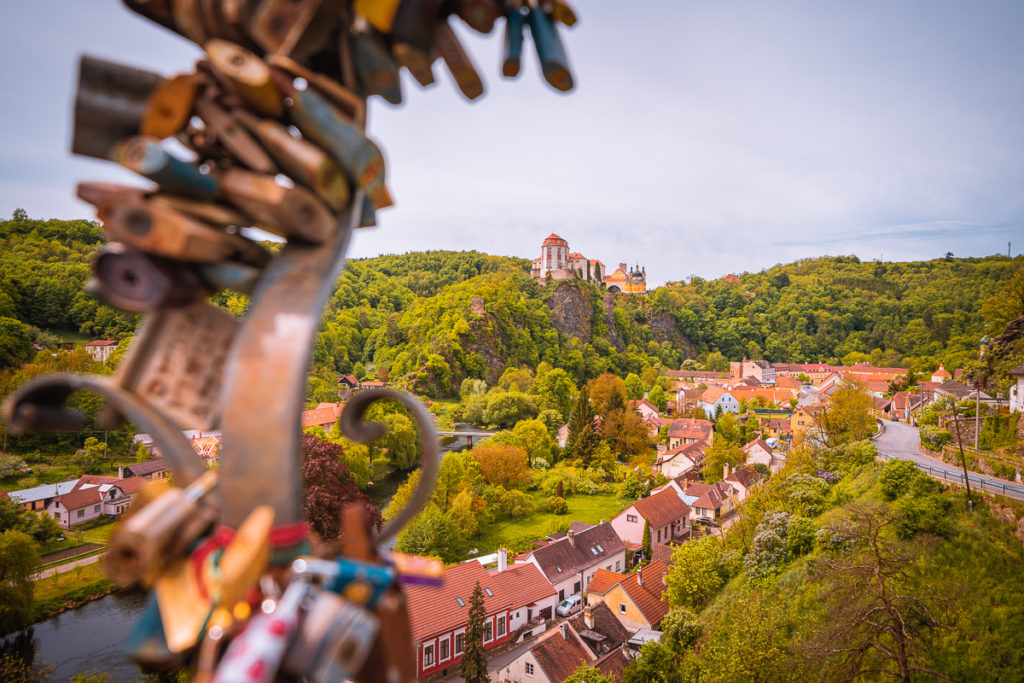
(661, 508)
(141, 469)
(647, 597)
(603, 581)
(128, 486)
(661, 552)
(80, 498)
(745, 476)
(708, 497)
(102, 342)
(558, 656)
(757, 442)
(323, 414)
(690, 428)
(435, 610)
(554, 240)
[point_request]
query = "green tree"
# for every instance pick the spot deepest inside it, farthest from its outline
(555, 391)
(473, 666)
(430, 533)
(717, 456)
(11, 516)
(634, 387)
(402, 441)
(506, 408)
(716, 362)
(847, 417)
(657, 396)
(15, 342)
(646, 543)
(588, 674)
(92, 456)
(535, 439)
(18, 560)
(583, 439)
(606, 393)
(697, 573)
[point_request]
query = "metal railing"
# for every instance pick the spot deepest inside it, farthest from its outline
(998, 487)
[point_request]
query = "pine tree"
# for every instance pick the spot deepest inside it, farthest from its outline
(473, 667)
(583, 440)
(647, 541)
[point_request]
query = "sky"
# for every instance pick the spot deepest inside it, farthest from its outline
(703, 138)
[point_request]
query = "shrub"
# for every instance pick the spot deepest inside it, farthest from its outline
(934, 438)
(559, 506)
(897, 477)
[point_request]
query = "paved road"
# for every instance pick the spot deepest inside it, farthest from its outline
(902, 441)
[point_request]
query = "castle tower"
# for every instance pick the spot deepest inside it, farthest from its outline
(554, 255)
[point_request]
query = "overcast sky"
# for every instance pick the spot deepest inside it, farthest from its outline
(703, 137)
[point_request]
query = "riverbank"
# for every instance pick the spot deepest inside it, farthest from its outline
(68, 590)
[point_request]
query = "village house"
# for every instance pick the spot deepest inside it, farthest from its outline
(589, 637)
(86, 504)
(686, 430)
(148, 469)
(324, 415)
(645, 408)
(800, 421)
(743, 481)
(38, 498)
(688, 399)
(514, 597)
(568, 562)
(128, 489)
(761, 370)
(709, 501)
(634, 598)
(664, 513)
(759, 452)
(941, 375)
(1017, 390)
(101, 349)
(714, 398)
(348, 382)
(902, 405)
(770, 396)
(678, 461)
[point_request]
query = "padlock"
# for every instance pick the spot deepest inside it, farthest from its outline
(223, 128)
(362, 160)
(257, 654)
(292, 27)
(133, 281)
(350, 106)
(375, 70)
(292, 212)
(110, 105)
(415, 569)
(245, 557)
(418, 62)
(208, 212)
(360, 582)
(145, 156)
(234, 276)
(163, 529)
(169, 107)
(458, 62)
(301, 160)
(334, 639)
(479, 15)
(554, 63)
(158, 229)
(560, 11)
(512, 50)
(246, 75)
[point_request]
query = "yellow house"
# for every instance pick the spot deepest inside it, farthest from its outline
(800, 421)
(627, 280)
(634, 598)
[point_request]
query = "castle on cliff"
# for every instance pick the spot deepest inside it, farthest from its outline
(556, 263)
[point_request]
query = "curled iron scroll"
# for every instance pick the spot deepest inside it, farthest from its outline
(354, 427)
(39, 404)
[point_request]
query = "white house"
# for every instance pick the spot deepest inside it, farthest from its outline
(1017, 389)
(664, 513)
(675, 462)
(101, 349)
(86, 504)
(717, 397)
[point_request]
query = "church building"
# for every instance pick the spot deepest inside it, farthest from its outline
(556, 262)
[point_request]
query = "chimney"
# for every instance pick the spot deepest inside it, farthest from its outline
(601, 523)
(640, 577)
(727, 470)
(563, 630)
(502, 559)
(588, 616)
(569, 534)
(120, 471)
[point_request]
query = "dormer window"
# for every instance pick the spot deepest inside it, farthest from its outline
(558, 568)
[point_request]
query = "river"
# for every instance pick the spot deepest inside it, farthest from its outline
(83, 639)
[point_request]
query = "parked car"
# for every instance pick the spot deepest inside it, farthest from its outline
(571, 605)
(706, 521)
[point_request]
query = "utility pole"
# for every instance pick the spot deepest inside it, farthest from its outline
(963, 460)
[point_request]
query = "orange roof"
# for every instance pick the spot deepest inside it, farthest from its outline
(102, 342)
(647, 597)
(80, 498)
(576, 254)
(324, 413)
(771, 395)
(603, 581)
(661, 508)
(688, 427)
(787, 382)
(554, 240)
(712, 394)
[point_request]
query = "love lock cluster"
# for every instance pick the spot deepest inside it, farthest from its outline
(267, 131)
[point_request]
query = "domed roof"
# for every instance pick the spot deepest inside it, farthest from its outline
(554, 240)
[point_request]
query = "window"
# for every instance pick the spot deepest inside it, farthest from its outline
(488, 631)
(501, 626)
(593, 551)
(442, 651)
(56, 515)
(81, 513)
(460, 602)
(529, 668)
(599, 548)
(630, 518)
(576, 587)
(95, 508)
(561, 595)
(622, 608)
(489, 593)
(460, 641)
(618, 564)
(428, 656)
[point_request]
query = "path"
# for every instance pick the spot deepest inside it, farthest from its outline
(64, 568)
(902, 441)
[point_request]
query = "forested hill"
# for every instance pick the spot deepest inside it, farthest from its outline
(411, 318)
